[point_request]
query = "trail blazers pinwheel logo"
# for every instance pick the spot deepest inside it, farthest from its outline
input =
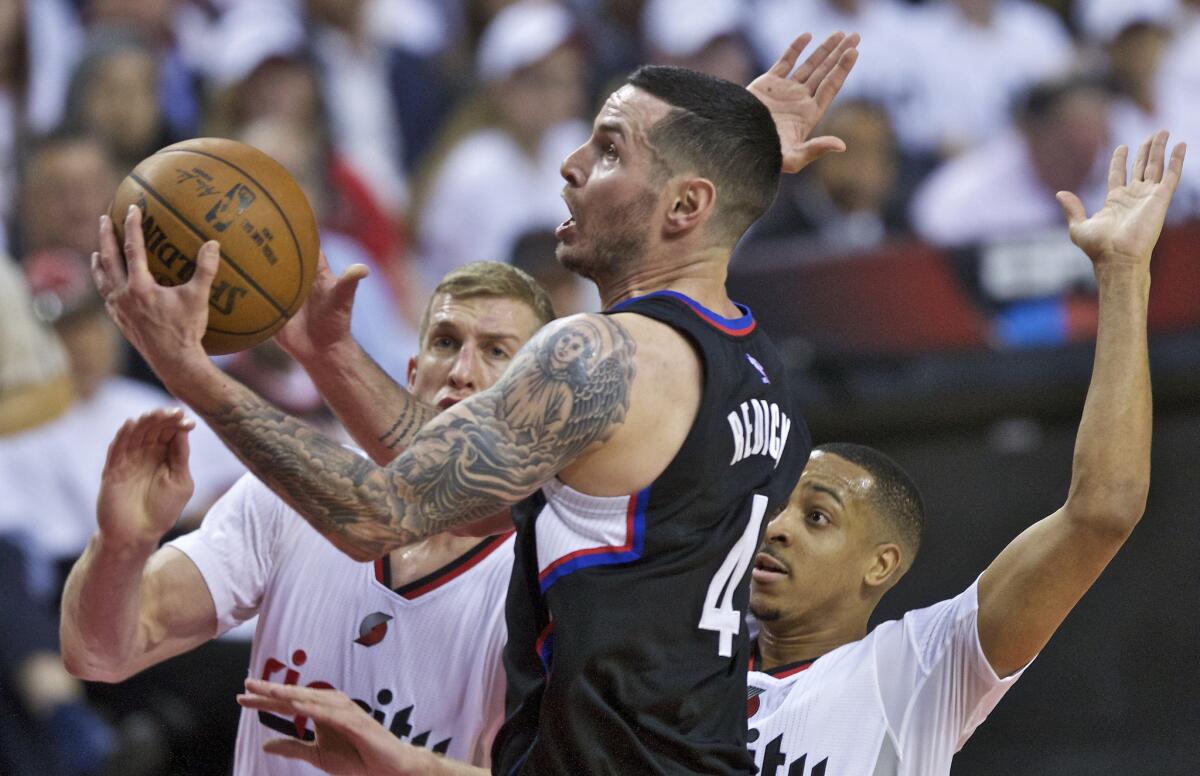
(372, 629)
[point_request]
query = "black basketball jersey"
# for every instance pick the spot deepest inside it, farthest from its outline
(627, 649)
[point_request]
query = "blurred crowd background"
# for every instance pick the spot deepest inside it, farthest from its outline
(921, 285)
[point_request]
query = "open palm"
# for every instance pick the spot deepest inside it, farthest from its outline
(1126, 228)
(798, 100)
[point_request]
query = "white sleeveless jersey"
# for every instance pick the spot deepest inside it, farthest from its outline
(899, 702)
(425, 661)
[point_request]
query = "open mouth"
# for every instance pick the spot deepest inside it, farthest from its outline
(767, 568)
(449, 401)
(567, 228)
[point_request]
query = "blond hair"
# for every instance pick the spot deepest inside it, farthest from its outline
(492, 278)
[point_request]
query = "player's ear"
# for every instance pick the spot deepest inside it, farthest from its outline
(885, 567)
(692, 205)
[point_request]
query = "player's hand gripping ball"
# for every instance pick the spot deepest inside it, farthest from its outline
(216, 189)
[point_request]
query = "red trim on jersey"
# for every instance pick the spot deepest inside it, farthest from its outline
(779, 672)
(380, 573)
(630, 515)
(455, 568)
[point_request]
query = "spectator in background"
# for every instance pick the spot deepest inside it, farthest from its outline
(708, 37)
(46, 725)
(570, 294)
(114, 95)
(378, 325)
(159, 23)
(66, 180)
(1099, 21)
(1179, 89)
(35, 385)
(501, 178)
(843, 203)
(1006, 186)
(363, 120)
(50, 474)
(976, 57)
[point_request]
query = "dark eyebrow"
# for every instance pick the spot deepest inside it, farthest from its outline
(613, 127)
(828, 491)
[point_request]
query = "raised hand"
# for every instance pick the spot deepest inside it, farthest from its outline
(798, 100)
(348, 741)
(324, 320)
(1126, 228)
(146, 482)
(164, 323)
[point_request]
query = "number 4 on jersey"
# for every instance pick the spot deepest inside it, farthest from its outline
(722, 617)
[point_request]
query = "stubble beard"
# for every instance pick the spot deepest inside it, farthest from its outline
(617, 247)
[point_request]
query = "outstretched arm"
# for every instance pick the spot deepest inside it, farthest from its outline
(566, 389)
(378, 412)
(1027, 592)
(798, 100)
(128, 605)
(348, 741)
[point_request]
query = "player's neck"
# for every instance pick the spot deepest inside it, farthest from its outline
(780, 645)
(410, 563)
(702, 279)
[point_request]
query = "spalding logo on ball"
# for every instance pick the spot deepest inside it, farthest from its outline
(217, 189)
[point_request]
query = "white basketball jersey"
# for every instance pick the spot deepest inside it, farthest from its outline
(899, 702)
(424, 661)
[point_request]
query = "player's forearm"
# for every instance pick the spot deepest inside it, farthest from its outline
(1111, 468)
(102, 610)
(380, 414)
(354, 503)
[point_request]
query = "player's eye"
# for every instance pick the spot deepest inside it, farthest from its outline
(442, 343)
(817, 517)
(610, 151)
(498, 352)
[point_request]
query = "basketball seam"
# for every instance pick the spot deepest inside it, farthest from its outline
(282, 214)
(233, 265)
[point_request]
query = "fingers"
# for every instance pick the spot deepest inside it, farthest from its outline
(1139, 162)
(1175, 167)
(179, 449)
(207, 262)
(818, 77)
(1071, 206)
(818, 57)
(135, 248)
(119, 445)
(347, 285)
(1156, 158)
(283, 707)
(785, 63)
(1117, 167)
(294, 750)
(108, 270)
(832, 84)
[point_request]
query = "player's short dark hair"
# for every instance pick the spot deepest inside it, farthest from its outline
(722, 132)
(491, 278)
(895, 496)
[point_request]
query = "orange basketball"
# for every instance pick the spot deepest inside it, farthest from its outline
(215, 189)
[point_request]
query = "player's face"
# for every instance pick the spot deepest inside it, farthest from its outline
(611, 189)
(816, 552)
(468, 345)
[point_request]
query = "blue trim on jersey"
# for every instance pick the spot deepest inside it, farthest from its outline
(735, 326)
(602, 556)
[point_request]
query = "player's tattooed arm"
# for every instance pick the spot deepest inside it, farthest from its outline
(567, 389)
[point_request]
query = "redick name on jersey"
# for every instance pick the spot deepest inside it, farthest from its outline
(759, 428)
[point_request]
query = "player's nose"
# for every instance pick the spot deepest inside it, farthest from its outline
(572, 168)
(778, 531)
(465, 372)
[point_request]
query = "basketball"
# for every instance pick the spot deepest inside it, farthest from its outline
(216, 189)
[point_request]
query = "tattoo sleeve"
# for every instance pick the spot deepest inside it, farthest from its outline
(567, 388)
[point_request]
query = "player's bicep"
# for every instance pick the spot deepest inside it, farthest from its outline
(1030, 588)
(177, 612)
(567, 389)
